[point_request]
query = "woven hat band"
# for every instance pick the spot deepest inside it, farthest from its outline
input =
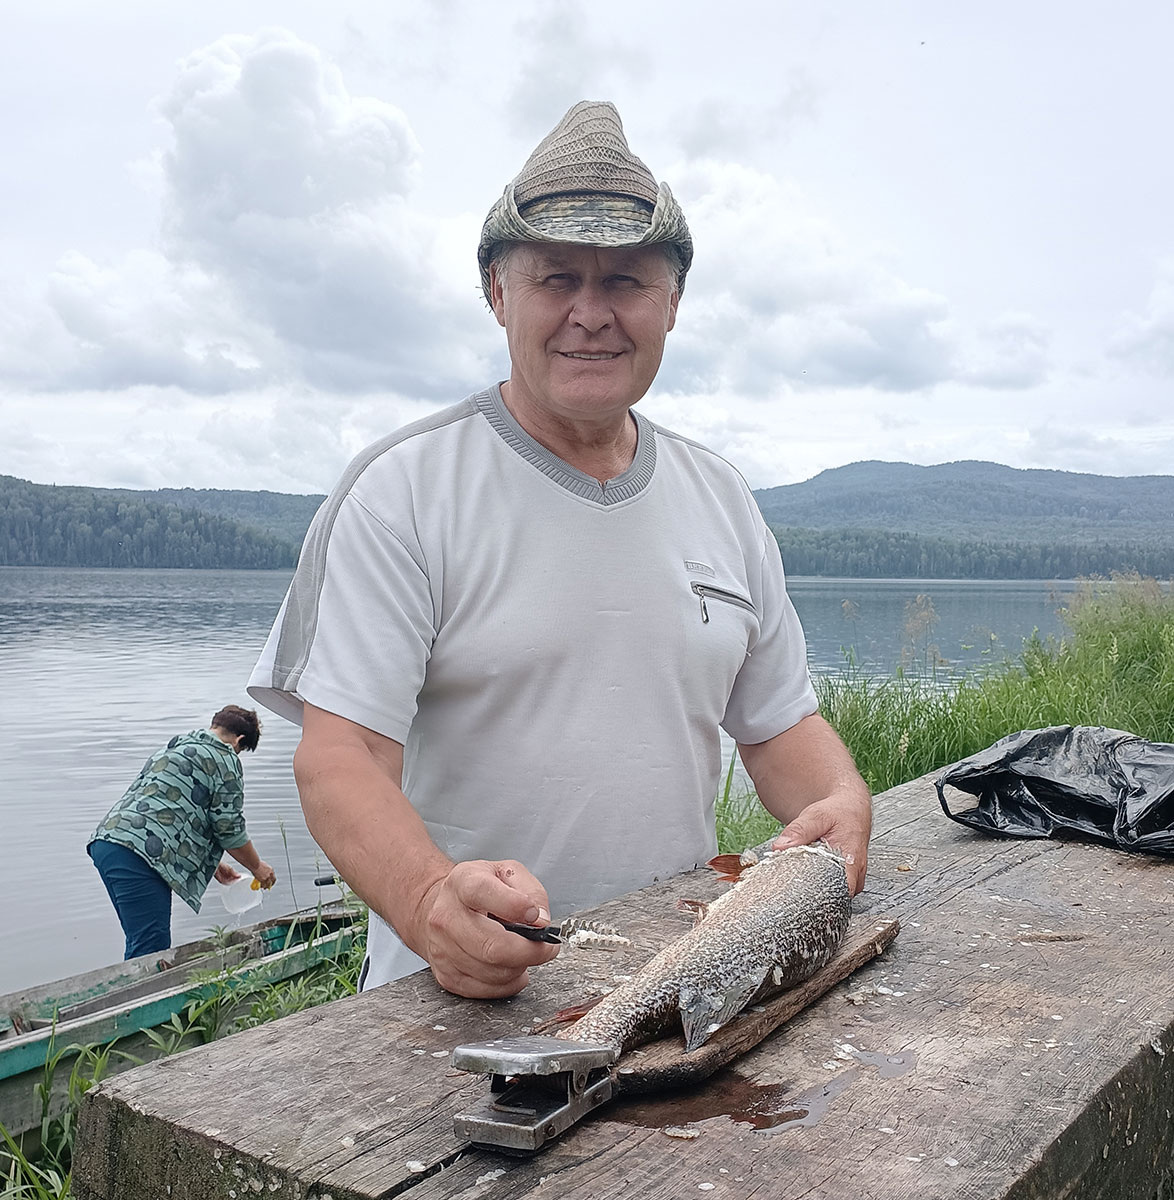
(589, 216)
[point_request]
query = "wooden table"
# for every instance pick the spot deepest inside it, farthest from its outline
(1015, 1041)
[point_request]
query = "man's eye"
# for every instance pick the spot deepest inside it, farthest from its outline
(623, 281)
(560, 280)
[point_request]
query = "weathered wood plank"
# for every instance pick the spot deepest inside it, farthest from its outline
(1014, 1042)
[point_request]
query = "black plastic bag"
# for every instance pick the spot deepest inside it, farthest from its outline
(1104, 783)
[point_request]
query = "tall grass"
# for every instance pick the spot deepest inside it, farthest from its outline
(741, 820)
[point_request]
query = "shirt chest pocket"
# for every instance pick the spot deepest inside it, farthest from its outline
(710, 593)
(721, 629)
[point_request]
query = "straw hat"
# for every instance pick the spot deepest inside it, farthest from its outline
(583, 185)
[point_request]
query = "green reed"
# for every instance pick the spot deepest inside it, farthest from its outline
(741, 820)
(21, 1179)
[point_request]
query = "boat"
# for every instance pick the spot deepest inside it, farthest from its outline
(44, 1029)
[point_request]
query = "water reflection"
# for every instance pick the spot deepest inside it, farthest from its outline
(962, 625)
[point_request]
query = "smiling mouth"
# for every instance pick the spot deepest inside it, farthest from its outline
(588, 357)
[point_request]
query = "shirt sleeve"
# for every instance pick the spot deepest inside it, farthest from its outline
(356, 630)
(773, 689)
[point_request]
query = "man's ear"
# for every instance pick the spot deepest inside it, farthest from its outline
(497, 294)
(676, 296)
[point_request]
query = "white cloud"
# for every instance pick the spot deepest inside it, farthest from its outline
(1145, 340)
(1011, 351)
(779, 300)
(290, 250)
(140, 321)
(265, 125)
(715, 127)
(559, 59)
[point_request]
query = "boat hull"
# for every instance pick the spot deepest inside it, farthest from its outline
(43, 1029)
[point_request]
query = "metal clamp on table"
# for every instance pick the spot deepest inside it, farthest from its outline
(540, 1087)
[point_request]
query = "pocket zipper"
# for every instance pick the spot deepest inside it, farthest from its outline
(704, 590)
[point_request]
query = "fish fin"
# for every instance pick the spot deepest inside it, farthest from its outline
(727, 866)
(697, 907)
(566, 1016)
(703, 1013)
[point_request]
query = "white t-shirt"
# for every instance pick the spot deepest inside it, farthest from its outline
(555, 654)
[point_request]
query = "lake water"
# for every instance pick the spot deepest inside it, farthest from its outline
(100, 668)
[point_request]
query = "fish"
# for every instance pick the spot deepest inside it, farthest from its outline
(782, 920)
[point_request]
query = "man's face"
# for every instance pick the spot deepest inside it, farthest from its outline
(585, 326)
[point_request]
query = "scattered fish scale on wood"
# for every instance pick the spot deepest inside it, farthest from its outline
(781, 921)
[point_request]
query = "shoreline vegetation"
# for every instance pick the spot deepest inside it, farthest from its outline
(1114, 667)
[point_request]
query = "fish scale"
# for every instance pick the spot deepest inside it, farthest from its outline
(778, 924)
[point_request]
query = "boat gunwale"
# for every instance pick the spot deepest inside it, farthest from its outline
(19, 1052)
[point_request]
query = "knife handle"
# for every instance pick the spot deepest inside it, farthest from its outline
(535, 933)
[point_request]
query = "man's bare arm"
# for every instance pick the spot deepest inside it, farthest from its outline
(349, 780)
(806, 778)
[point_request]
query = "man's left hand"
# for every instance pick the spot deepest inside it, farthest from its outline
(843, 820)
(806, 778)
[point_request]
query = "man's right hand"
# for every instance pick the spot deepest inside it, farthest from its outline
(469, 953)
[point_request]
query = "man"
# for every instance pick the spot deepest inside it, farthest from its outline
(184, 809)
(517, 625)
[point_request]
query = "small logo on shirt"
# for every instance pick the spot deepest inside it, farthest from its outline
(700, 568)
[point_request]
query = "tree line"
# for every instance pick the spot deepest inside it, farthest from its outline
(880, 554)
(45, 526)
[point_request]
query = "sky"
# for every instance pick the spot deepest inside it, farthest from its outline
(237, 240)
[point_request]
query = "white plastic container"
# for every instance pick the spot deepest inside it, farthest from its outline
(240, 895)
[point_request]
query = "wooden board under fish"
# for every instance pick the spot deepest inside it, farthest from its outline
(655, 1065)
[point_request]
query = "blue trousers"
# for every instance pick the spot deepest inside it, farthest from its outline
(140, 896)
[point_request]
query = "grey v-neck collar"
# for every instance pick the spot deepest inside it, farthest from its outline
(631, 483)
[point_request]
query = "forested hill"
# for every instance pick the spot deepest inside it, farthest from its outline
(46, 526)
(967, 520)
(976, 500)
(975, 520)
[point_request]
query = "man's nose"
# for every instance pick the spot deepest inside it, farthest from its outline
(592, 309)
